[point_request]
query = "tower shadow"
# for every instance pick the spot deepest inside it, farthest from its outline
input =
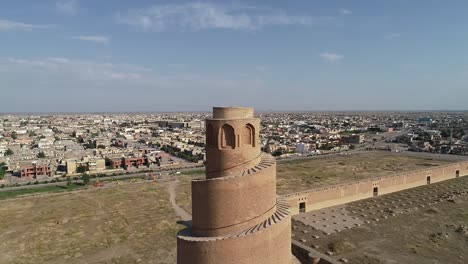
(187, 223)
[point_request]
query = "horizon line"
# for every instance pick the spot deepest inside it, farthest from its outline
(209, 111)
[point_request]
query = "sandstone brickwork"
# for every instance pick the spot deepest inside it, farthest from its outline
(328, 196)
(237, 216)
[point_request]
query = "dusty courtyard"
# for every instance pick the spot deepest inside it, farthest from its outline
(427, 224)
(305, 174)
(302, 175)
(126, 223)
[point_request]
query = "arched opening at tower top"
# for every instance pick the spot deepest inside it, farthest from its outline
(228, 139)
(248, 135)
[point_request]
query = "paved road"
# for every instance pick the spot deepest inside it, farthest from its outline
(34, 186)
(107, 178)
(358, 149)
(454, 158)
(373, 144)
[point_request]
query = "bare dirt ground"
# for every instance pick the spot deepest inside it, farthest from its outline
(183, 190)
(305, 174)
(116, 224)
(427, 224)
(136, 222)
(302, 175)
(183, 214)
(126, 223)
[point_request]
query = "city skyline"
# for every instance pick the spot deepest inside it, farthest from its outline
(83, 56)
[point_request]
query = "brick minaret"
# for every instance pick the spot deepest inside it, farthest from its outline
(237, 216)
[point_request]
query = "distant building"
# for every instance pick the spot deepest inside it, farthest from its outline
(135, 162)
(353, 139)
(93, 164)
(374, 129)
(96, 164)
(302, 148)
(35, 170)
(172, 124)
(117, 163)
(425, 120)
(71, 166)
(197, 124)
(129, 162)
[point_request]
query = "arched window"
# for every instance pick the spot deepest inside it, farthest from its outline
(210, 136)
(248, 135)
(227, 137)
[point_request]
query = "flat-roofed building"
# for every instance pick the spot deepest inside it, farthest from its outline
(35, 170)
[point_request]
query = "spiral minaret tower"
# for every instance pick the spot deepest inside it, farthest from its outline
(237, 216)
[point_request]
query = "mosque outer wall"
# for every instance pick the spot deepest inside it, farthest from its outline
(348, 192)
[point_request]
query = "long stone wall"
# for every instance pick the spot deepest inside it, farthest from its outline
(352, 191)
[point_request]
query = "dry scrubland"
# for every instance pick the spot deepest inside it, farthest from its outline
(427, 224)
(305, 174)
(128, 223)
(135, 223)
(301, 175)
(184, 192)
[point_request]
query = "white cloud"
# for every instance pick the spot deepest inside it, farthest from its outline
(85, 70)
(95, 39)
(262, 68)
(345, 12)
(94, 73)
(9, 25)
(59, 60)
(392, 36)
(68, 7)
(178, 65)
(102, 86)
(332, 57)
(198, 16)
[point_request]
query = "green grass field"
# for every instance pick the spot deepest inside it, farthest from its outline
(194, 172)
(6, 194)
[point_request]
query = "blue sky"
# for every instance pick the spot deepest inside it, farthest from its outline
(87, 55)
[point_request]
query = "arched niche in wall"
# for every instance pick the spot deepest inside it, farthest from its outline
(248, 135)
(210, 136)
(228, 139)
